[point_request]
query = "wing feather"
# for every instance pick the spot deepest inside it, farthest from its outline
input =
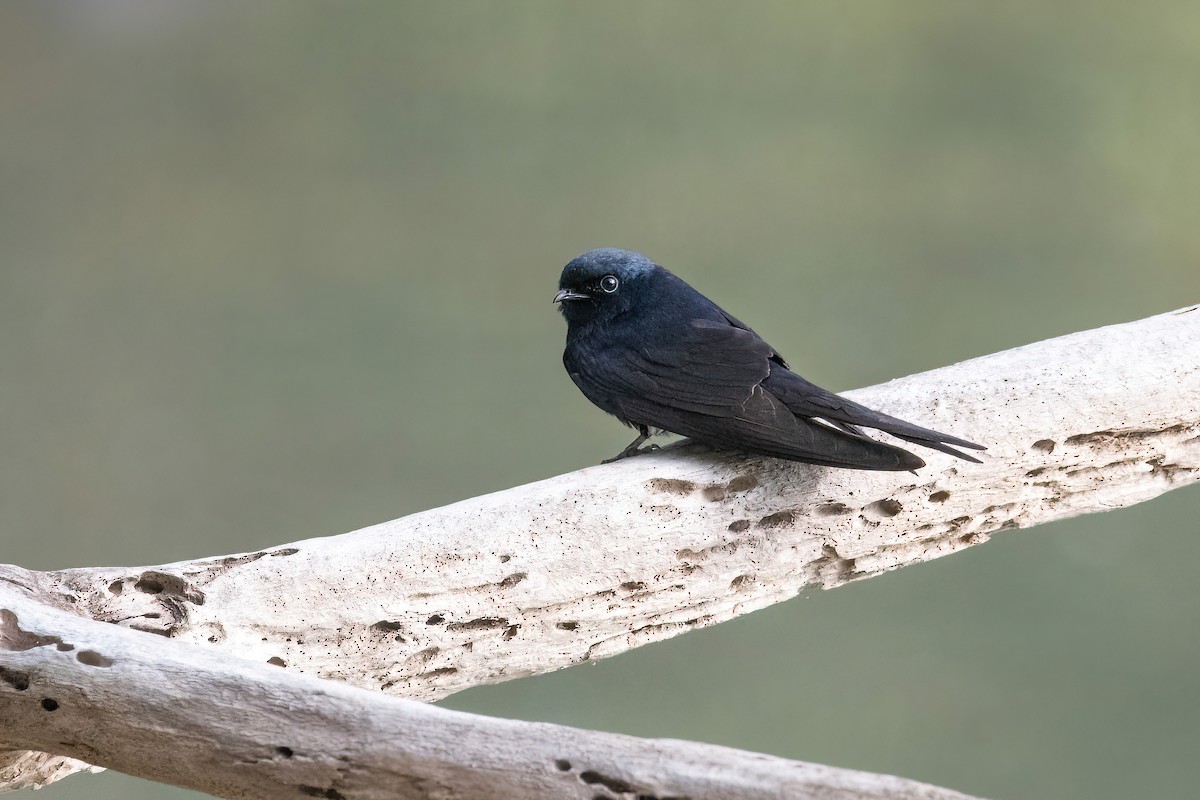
(711, 369)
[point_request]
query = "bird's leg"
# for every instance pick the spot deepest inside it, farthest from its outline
(633, 448)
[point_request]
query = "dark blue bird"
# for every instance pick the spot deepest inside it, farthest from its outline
(651, 350)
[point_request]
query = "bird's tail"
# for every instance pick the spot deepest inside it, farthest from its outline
(809, 400)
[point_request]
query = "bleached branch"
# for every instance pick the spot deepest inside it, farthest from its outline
(176, 713)
(596, 562)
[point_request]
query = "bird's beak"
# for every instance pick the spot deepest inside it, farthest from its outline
(567, 294)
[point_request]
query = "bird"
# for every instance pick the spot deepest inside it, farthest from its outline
(646, 347)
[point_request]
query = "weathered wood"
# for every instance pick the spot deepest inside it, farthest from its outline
(598, 561)
(177, 713)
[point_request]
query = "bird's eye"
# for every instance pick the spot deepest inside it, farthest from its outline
(609, 283)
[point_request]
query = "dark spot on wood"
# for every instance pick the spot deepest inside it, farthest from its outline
(172, 587)
(15, 679)
(478, 624)
(739, 525)
(149, 585)
(284, 551)
(388, 625)
(884, 508)
(742, 483)
(439, 672)
(717, 491)
(317, 791)
(277, 661)
(505, 559)
(426, 655)
(1135, 435)
(1045, 445)
(833, 509)
(511, 631)
(116, 587)
(286, 752)
(63, 647)
(612, 784)
(832, 561)
(512, 580)
(13, 638)
(939, 497)
(1033, 473)
(671, 486)
(633, 586)
(50, 704)
(562, 764)
(436, 619)
(1159, 466)
(93, 659)
(778, 519)
(741, 582)
(567, 626)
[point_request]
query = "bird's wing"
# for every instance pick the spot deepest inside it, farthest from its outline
(737, 323)
(720, 382)
(707, 383)
(711, 368)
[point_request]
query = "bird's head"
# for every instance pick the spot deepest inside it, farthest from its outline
(601, 284)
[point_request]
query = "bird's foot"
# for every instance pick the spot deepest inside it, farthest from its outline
(632, 450)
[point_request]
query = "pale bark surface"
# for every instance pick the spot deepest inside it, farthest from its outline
(175, 713)
(598, 561)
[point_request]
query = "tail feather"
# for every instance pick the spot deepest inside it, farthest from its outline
(809, 400)
(941, 446)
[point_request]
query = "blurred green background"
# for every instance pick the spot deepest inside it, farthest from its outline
(276, 270)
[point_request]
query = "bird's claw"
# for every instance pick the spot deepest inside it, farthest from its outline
(631, 451)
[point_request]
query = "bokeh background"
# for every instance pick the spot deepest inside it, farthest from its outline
(277, 270)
